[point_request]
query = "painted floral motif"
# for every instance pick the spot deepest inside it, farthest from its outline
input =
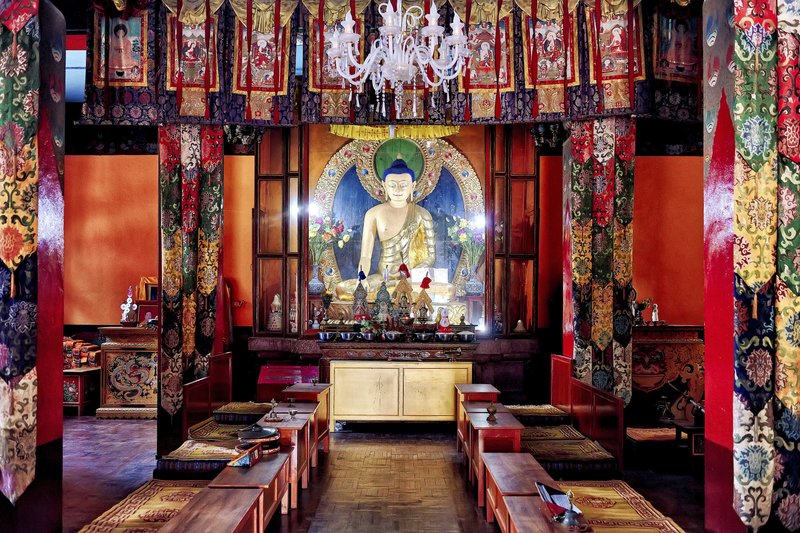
(741, 252)
(787, 206)
(757, 135)
(759, 366)
(789, 512)
(754, 462)
(753, 459)
(13, 65)
(757, 39)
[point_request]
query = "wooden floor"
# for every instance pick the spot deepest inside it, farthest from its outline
(104, 461)
(391, 478)
(377, 478)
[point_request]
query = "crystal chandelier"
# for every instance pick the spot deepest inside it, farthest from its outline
(402, 56)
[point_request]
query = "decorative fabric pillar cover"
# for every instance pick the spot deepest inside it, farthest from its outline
(767, 307)
(19, 107)
(191, 181)
(601, 206)
(786, 488)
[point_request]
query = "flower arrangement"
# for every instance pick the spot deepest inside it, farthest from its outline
(323, 231)
(470, 236)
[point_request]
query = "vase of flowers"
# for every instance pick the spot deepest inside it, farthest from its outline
(323, 232)
(471, 238)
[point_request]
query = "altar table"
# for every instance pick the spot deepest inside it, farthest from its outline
(502, 435)
(220, 511)
(470, 392)
(309, 392)
(270, 475)
(395, 390)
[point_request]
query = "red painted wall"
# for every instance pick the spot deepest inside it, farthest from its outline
(668, 236)
(667, 239)
(718, 229)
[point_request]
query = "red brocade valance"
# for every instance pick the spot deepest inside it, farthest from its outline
(531, 60)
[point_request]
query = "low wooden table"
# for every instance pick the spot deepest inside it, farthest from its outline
(690, 436)
(270, 475)
(310, 409)
(309, 392)
(470, 392)
(526, 514)
(502, 435)
(463, 421)
(221, 511)
(294, 434)
(82, 387)
(511, 474)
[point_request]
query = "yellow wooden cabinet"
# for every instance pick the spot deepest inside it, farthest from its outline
(395, 390)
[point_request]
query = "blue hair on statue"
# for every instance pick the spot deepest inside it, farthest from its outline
(399, 166)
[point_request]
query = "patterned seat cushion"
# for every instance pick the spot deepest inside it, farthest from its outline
(197, 459)
(552, 433)
(539, 414)
(211, 430)
(572, 459)
(651, 434)
(241, 412)
(147, 508)
(614, 506)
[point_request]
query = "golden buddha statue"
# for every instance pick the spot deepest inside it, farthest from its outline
(405, 231)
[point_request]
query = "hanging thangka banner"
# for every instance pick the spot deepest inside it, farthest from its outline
(120, 86)
(262, 75)
(328, 94)
(677, 44)
(192, 69)
(614, 33)
(490, 72)
(550, 54)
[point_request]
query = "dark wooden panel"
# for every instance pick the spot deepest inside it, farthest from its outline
(196, 403)
(608, 423)
(560, 375)
(581, 404)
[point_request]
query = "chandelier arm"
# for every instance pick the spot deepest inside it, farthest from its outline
(355, 78)
(455, 57)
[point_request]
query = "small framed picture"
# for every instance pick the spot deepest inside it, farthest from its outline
(148, 310)
(151, 291)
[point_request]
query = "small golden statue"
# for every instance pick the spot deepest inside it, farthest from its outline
(403, 297)
(423, 308)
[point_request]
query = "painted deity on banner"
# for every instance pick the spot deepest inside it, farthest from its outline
(677, 56)
(126, 49)
(614, 54)
(195, 56)
(266, 61)
(335, 100)
(549, 65)
(486, 77)
(483, 71)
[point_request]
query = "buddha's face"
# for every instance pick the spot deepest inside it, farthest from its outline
(398, 187)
